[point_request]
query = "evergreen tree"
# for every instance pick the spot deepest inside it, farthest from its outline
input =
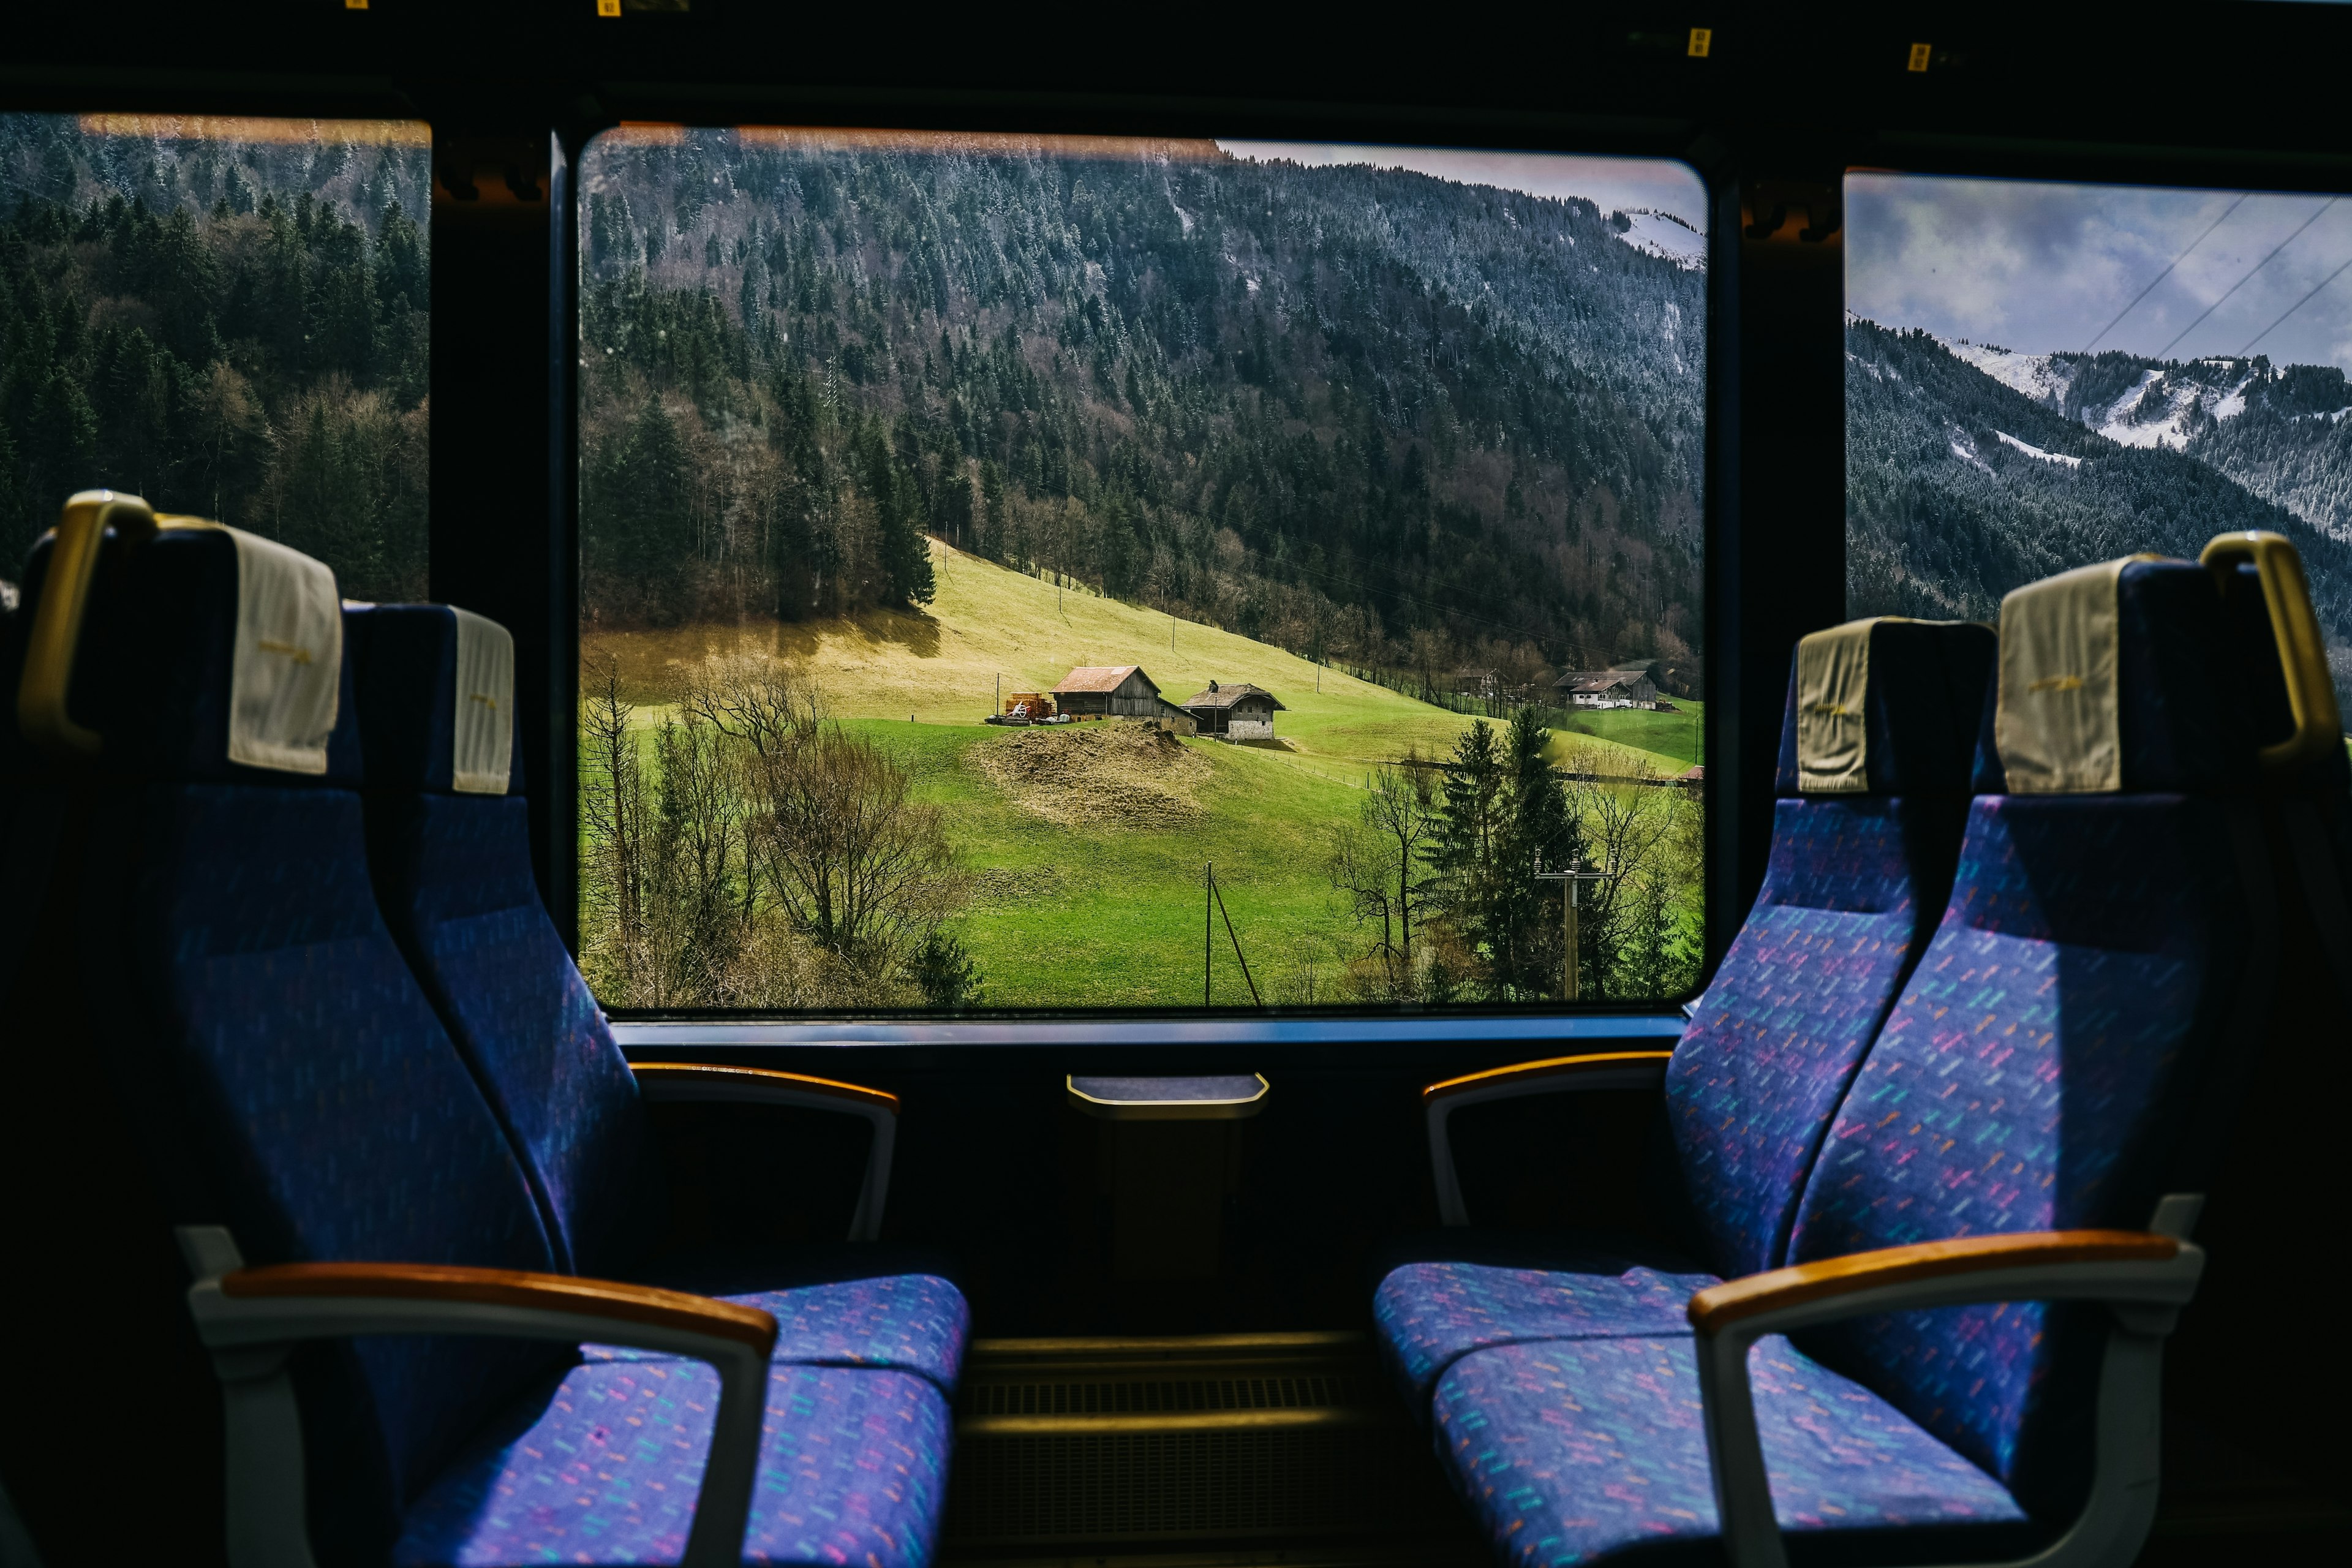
(1540, 830)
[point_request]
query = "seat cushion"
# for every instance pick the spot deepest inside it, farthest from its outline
(1477, 1290)
(605, 1465)
(841, 1305)
(1586, 1450)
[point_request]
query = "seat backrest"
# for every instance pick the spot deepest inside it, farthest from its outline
(2067, 1043)
(1875, 751)
(449, 837)
(286, 1075)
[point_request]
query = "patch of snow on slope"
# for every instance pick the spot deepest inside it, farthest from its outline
(2032, 451)
(1663, 234)
(2039, 376)
(2126, 422)
(1966, 452)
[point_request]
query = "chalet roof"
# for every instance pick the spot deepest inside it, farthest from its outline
(1593, 681)
(1102, 678)
(1226, 695)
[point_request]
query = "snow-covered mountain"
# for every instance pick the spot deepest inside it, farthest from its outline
(1661, 234)
(2279, 430)
(1971, 470)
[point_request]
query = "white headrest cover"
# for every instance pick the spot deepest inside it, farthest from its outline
(482, 748)
(286, 665)
(2059, 721)
(1832, 678)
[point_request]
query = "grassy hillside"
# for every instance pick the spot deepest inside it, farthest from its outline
(943, 667)
(1086, 844)
(1107, 911)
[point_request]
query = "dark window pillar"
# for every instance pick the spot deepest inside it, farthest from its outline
(1776, 562)
(504, 477)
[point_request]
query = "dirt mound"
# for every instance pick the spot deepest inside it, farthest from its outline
(1120, 775)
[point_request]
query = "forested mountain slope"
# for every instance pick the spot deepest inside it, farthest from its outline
(1362, 414)
(1959, 486)
(231, 327)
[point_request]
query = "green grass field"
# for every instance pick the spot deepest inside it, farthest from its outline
(1112, 916)
(1109, 912)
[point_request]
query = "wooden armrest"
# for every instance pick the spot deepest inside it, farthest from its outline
(1565, 1072)
(711, 1083)
(1555, 1074)
(2144, 1278)
(710, 1080)
(605, 1299)
(1718, 1306)
(251, 1319)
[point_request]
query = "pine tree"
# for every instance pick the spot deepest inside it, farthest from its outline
(1539, 831)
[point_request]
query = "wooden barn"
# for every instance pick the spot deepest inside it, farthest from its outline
(1608, 688)
(1238, 712)
(1112, 691)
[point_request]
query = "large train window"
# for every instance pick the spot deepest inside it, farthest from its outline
(226, 316)
(1030, 573)
(2041, 375)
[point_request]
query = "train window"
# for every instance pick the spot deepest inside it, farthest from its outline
(226, 316)
(2042, 375)
(1033, 573)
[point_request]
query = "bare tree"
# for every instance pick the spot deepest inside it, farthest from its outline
(754, 699)
(1636, 834)
(613, 822)
(855, 866)
(1379, 865)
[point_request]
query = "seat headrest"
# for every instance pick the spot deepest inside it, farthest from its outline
(210, 654)
(1885, 706)
(436, 703)
(2120, 677)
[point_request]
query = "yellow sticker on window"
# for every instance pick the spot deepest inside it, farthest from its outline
(355, 5)
(608, 7)
(1920, 55)
(1702, 39)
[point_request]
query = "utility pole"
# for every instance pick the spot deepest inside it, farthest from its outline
(1567, 881)
(1208, 929)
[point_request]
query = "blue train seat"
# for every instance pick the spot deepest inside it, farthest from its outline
(450, 847)
(1927, 1379)
(1876, 742)
(397, 1348)
(2223, 1407)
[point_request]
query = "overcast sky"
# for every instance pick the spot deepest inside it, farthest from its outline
(2038, 266)
(1609, 182)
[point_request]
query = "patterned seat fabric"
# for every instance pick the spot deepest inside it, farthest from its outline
(2058, 1060)
(452, 874)
(2072, 1023)
(1854, 883)
(291, 1081)
(1579, 1450)
(605, 1469)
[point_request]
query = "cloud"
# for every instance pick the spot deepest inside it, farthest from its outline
(1609, 182)
(2037, 266)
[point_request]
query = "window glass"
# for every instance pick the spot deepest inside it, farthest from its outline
(2039, 376)
(226, 317)
(1026, 572)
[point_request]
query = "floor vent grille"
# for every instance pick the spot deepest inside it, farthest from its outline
(1307, 1392)
(1152, 1446)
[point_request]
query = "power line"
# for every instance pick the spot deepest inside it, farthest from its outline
(2298, 305)
(2168, 265)
(2242, 282)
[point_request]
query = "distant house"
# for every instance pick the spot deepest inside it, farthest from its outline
(1608, 688)
(1484, 684)
(1237, 712)
(1112, 691)
(1670, 679)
